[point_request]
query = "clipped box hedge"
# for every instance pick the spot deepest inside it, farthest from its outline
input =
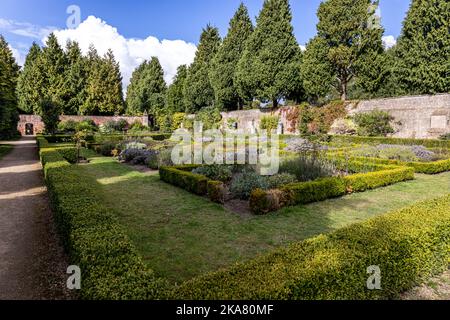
(182, 177)
(430, 143)
(408, 245)
(111, 267)
(321, 189)
(432, 167)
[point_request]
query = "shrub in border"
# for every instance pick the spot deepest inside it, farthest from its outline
(216, 191)
(409, 246)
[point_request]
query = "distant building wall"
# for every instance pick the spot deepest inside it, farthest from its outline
(35, 122)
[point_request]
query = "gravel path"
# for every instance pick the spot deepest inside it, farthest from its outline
(32, 261)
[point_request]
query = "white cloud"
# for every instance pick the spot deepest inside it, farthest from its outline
(20, 58)
(389, 41)
(129, 52)
(302, 47)
(25, 29)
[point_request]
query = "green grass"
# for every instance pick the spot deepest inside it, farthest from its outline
(181, 235)
(4, 149)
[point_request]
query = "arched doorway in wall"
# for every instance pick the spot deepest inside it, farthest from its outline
(29, 129)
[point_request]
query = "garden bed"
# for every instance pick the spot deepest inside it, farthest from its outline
(265, 197)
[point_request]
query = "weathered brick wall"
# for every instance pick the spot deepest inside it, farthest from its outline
(38, 125)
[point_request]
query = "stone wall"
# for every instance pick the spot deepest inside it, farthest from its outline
(250, 120)
(36, 126)
(424, 117)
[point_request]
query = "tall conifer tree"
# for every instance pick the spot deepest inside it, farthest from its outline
(175, 97)
(9, 72)
(147, 89)
(270, 65)
(423, 49)
(224, 65)
(198, 91)
(29, 87)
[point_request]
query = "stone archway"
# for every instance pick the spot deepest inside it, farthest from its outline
(29, 129)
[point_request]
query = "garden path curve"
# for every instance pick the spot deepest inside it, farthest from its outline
(32, 261)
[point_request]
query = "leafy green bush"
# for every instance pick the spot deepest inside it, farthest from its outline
(280, 179)
(244, 183)
(86, 125)
(374, 123)
(137, 126)
(68, 126)
(408, 245)
(216, 191)
(222, 173)
(177, 120)
(445, 137)
(107, 148)
(269, 123)
(210, 117)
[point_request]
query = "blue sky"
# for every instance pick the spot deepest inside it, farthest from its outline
(24, 21)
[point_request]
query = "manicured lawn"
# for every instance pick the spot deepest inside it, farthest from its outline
(181, 235)
(4, 149)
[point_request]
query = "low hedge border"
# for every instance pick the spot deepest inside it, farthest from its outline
(433, 167)
(182, 177)
(111, 267)
(429, 143)
(262, 202)
(408, 245)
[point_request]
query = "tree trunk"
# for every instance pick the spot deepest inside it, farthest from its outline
(274, 103)
(344, 91)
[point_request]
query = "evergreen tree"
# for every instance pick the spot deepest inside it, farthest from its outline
(29, 87)
(348, 44)
(317, 71)
(50, 112)
(134, 101)
(147, 89)
(75, 79)
(270, 65)
(50, 72)
(224, 64)
(198, 92)
(9, 72)
(423, 49)
(104, 94)
(175, 97)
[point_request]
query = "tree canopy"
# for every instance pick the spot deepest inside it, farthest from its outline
(198, 91)
(270, 65)
(9, 72)
(224, 65)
